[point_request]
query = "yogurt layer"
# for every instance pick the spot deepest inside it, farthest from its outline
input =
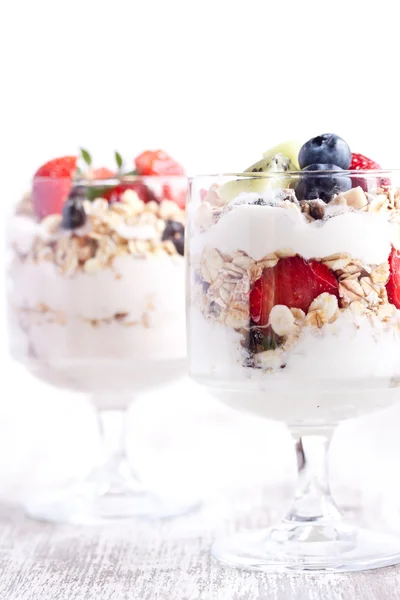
(262, 230)
(341, 366)
(132, 285)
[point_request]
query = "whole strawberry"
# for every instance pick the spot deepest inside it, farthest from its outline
(52, 183)
(359, 162)
(157, 162)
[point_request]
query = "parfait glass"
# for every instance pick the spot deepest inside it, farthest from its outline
(96, 305)
(293, 314)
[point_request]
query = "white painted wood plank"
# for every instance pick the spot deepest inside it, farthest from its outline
(147, 562)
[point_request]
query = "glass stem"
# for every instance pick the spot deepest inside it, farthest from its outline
(115, 473)
(313, 501)
(112, 431)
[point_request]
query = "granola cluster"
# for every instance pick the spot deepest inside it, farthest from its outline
(223, 283)
(129, 227)
(42, 313)
(385, 200)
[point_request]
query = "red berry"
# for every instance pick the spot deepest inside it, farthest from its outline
(393, 284)
(203, 194)
(139, 187)
(157, 162)
(51, 185)
(102, 173)
(175, 195)
(359, 162)
(293, 282)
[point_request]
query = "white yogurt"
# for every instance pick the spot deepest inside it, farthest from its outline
(261, 230)
(338, 372)
(90, 350)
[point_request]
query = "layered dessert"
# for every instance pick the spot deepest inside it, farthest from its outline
(295, 273)
(96, 273)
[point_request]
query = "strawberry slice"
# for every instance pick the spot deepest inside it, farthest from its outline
(175, 195)
(51, 185)
(393, 284)
(157, 162)
(359, 162)
(294, 282)
(102, 173)
(144, 193)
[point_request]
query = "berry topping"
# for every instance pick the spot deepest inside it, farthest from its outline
(359, 162)
(293, 282)
(157, 162)
(327, 148)
(79, 191)
(73, 213)
(102, 173)
(393, 285)
(323, 186)
(178, 196)
(58, 168)
(144, 193)
(175, 232)
(51, 185)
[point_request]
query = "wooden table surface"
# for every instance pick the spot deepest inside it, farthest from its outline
(224, 453)
(168, 561)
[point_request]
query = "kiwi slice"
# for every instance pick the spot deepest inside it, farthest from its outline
(278, 163)
(290, 149)
(275, 164)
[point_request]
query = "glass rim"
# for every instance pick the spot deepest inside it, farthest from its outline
(110, 180)
(299, 174)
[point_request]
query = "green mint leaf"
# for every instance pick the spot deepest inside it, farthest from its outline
(118, 159)
(86, 156)
(131, 173)
(98, 191)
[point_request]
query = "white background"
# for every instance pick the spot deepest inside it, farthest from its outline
(215, 84)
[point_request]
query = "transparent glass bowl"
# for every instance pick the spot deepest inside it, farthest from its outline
(95, 289)
(293, 315)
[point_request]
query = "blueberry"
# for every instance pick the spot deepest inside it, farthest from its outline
(73, 215)
(327, 148)
(78, 191)
(175, 232)
(323, 186)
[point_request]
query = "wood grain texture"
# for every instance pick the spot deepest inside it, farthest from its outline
(168, 561)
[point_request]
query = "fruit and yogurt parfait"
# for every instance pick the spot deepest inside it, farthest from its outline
(294, 283)
(96, 274)
(294, 314)
(96, 305)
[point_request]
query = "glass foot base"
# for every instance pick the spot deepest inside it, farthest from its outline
(111, 493)
(78, 507)
(265, 550)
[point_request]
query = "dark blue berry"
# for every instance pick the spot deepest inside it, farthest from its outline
(175, 232)
(78, 191)
(327, 148)
(73, 215)
(324, 185)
